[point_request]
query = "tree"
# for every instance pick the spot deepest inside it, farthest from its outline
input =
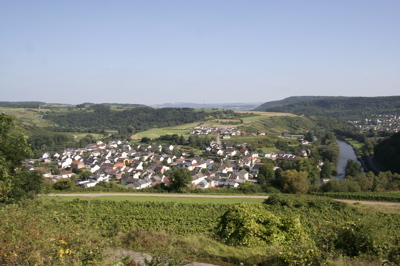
(180, 179)
(267, 170)
(249, 188)
(15, 182)
(352, 168)
(307, 165)
(64, 184)
(145, 140)
(309, 137)
(261, 179)
(326, 170)
(293, 181)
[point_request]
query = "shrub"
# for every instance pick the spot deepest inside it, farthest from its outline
(248, 225)
(32, 235)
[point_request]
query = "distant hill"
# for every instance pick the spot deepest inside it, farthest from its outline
(221, 106)
(21, 104)
(290, 100)
(340, 107)
(114, 105)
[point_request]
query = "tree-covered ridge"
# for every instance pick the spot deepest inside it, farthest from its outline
(21, 104)
(129, 120)
(115, 105)
(342, 107)
(290, 100)
(387, 153)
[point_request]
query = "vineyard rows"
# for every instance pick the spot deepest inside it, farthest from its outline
(110, 216)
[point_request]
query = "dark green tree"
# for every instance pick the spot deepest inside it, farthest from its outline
(64, 184)
(261, 179)
(308, 166)
(180, 178)
(327, 170)
(15, 182)
(145, 140)
(267, 170)
(249, 188)
(352, 168)
(293, 181)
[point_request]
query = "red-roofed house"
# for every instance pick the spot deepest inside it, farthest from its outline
(77, 164)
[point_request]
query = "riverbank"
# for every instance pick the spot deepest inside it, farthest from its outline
(346, 152)
(367, 162)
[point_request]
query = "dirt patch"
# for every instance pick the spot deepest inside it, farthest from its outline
(371, 202)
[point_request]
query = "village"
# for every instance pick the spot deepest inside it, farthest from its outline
(389, 123)
(144, 165)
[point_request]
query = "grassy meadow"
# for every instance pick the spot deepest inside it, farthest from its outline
(157, 132)
(79, 136)
(27, 116)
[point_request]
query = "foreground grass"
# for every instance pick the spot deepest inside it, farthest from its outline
(51, 231)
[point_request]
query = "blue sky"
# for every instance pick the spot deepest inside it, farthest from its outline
(202, 51)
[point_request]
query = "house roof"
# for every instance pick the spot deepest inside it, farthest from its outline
(119, 164)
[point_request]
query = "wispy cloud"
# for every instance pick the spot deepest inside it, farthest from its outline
(7, 59)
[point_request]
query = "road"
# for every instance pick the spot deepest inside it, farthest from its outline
(93, 195)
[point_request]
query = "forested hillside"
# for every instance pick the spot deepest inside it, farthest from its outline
(290, 100)
(341, 107)
(102, 117)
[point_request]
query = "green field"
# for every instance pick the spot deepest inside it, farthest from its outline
(261, 115)
(356, 144)
(157, 132)
(79, 136)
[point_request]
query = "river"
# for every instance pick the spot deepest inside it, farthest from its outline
(346, 152)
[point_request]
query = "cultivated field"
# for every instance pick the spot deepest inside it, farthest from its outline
(27, 116)
(157, 132)
(186, 128)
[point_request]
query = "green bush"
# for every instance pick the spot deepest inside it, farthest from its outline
(248, 225)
